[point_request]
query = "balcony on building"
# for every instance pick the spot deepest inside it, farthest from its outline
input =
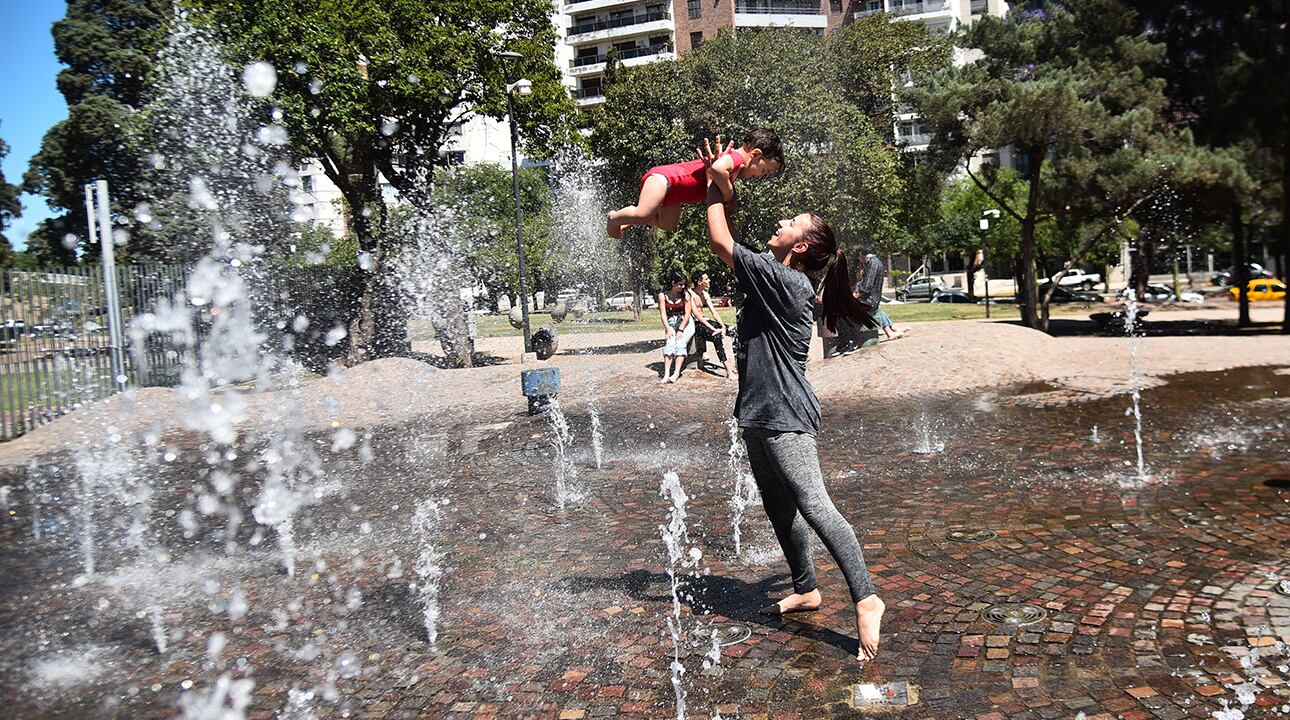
(594, 28)
(581, 7)
(591, 61)
(780, 13)
(909, 9)
(589, 93)
(912, 135)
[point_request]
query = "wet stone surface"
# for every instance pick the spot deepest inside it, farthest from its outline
(1160, 595)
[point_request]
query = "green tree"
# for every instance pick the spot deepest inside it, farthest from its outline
(52, 242)
(372, 89)
(481, 201)
(1068, 86)
(838, 162)
(10, 208)
(109, 47)
(1225, 64)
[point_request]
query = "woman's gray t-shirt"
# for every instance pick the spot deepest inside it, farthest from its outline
(774, 340)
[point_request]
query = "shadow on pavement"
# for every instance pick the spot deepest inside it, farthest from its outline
(719, 595)
(1064, 327)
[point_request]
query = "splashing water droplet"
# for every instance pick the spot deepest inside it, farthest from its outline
(259, 78)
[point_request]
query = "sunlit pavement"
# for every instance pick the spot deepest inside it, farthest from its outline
(1159, 596)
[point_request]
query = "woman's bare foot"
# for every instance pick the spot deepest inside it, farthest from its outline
(868, 625)
(797, 602)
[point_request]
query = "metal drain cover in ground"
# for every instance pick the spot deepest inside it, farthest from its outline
(898, 693)
(971, 535)
(727, 634)
(1015, 614)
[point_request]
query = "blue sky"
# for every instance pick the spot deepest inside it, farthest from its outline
(29, 102)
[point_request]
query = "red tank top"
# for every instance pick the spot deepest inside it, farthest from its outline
(674, 307)
(687, 183)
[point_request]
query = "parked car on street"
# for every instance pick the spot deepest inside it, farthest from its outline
(11, 330)
(925, 286)
(1262, 289)
(955, 296)
(1062, 295)
(1077, 278)
(623, 301)
(1159, 294)
(1226, 277)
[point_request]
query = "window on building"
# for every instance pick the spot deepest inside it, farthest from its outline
(307, 183)
(695, 8)
(835, 6)
(696, 39)
(657, 40)
(586, 52)
(875, 5)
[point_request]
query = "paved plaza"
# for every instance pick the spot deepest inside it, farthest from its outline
(989, 470)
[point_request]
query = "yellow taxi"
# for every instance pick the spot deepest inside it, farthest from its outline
(1263, 289)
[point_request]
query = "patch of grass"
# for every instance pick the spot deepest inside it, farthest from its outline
(488, 326)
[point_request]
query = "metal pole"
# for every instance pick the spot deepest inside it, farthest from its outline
(519, 222)
(109, 283)
(985, 275)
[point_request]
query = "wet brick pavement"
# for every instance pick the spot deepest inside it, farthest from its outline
(1161, 598)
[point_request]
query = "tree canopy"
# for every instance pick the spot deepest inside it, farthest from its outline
(10, 208)
(372, 89)
(1070, 87)
(109, 48)
(826, 98)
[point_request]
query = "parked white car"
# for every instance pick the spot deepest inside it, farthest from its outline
(623, 301)
(1160, 294)
(920, 287)
(1080, 279)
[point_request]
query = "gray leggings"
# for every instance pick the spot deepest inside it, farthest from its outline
(787, 470)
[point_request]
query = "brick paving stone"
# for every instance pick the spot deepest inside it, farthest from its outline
(1149, 639)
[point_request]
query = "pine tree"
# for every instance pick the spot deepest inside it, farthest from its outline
(109, 47)
(1069, 86)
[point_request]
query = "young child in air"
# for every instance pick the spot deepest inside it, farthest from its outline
(664, 189)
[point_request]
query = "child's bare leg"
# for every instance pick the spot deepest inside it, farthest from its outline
(653, 190)
(668, 218)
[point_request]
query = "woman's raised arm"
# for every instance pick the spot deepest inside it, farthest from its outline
(719, 235)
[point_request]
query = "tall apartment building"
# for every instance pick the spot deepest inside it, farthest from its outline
(643, 31)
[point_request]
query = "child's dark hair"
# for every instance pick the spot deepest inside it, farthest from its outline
(825, 261)
(768, 142)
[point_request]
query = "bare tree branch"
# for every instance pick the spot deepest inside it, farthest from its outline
(999, 201)
(1111, 227)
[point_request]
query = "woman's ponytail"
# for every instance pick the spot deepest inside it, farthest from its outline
(838, 301)
(825, 259)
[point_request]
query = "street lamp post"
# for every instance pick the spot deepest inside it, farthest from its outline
(985, 272)
(524, 87)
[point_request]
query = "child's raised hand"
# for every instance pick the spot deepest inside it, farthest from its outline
(708, 156)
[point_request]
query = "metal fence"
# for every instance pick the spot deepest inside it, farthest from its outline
(55, 349)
